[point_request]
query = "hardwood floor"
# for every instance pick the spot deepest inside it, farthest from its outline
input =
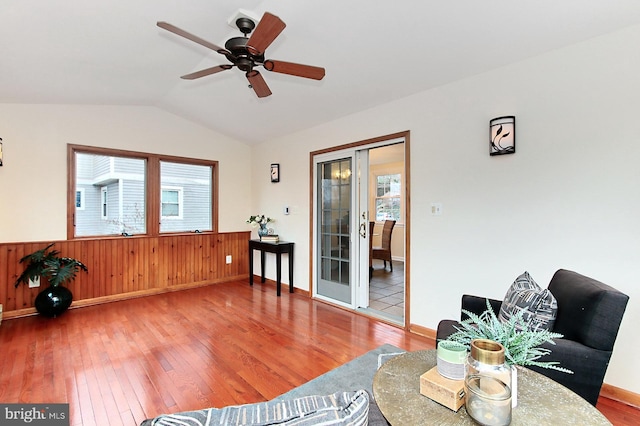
(122, 362)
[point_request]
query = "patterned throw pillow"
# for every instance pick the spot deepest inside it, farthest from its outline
(538, 305)
(343, 408)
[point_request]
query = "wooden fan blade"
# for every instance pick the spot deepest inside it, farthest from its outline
(182, 33)
(258, 84)
(207, 71)
(299, 70)
(269, 27)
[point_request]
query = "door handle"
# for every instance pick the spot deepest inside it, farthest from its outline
(363, 230)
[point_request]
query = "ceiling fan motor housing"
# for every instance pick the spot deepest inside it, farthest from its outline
(240, 56)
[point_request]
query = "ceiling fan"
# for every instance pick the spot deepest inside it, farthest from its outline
(247, 53)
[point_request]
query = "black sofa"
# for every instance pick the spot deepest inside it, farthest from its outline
(589, 316)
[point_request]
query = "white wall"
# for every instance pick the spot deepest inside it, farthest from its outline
(33, 180)
(569, 197)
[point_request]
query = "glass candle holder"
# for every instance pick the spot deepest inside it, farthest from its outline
(488, 400)
(486, 357)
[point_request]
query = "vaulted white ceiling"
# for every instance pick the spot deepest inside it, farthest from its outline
(110, 52)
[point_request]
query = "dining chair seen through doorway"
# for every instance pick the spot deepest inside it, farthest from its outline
(383, 252)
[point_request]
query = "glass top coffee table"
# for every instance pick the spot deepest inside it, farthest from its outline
(541, 401)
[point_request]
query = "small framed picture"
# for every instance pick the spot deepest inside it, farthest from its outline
(275, 172)
(502, 135)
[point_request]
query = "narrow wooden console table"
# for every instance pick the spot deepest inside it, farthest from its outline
(277, 248)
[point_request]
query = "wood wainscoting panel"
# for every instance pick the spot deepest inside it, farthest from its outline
(120, 268)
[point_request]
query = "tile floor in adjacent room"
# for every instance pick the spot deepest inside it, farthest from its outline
(386, 290)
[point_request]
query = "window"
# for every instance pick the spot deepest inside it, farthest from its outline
(115, 192)
(171, 203)
(80, 199)
(185, 198)
(113, 188)
(104, 197)
(388, 197)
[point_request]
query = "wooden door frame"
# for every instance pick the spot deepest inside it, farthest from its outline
(407, 196)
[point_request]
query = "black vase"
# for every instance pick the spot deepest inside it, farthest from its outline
(53, 301)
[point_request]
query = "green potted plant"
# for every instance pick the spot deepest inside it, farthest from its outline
(48, 266)
(522, 347)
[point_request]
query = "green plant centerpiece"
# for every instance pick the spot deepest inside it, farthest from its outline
(48, 266)
(521, 345)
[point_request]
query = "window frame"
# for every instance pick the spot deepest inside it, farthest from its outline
(153, 188)
(387, 197)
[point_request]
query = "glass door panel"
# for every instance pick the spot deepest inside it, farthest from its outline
(334, 193)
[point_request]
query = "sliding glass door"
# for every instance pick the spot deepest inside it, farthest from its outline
(344, 215)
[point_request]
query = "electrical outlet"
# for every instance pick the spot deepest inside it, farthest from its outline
(436, 209)
(34, 283)
(228, 259)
